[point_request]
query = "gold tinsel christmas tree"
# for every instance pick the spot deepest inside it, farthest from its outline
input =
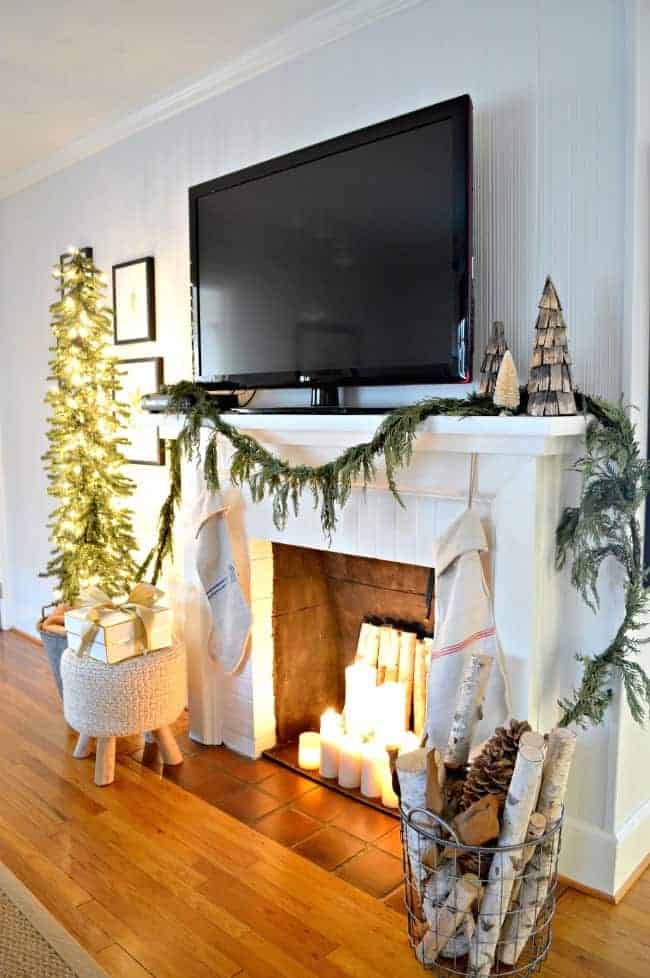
(550, 386)
(90, 529)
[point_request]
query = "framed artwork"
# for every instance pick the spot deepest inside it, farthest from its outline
(139, 377)
(134, 301)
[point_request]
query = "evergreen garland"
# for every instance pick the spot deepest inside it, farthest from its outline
(91, 533)
(164, 546)
(330, 484)
(615, 482)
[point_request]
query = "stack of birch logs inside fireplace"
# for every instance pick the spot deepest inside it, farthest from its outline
(400, 655)
(481, 906)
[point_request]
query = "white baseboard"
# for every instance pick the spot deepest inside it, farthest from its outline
(601, 860)
(248, 746)
(632, 845)
(588, 855)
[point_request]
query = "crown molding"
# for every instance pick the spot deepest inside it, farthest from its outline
(306, 35)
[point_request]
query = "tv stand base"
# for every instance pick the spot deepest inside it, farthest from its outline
(326, 396)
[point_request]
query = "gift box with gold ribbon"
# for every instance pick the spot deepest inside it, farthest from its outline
(111, 630)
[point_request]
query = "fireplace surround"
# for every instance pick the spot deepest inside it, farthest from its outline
(524, 481)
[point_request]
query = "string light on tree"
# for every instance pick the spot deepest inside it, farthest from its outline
(90, 529)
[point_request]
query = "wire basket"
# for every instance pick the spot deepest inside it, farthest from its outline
(451, 927)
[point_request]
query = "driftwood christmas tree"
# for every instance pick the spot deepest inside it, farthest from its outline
(494, 353)
(550, 386)
(506, 390)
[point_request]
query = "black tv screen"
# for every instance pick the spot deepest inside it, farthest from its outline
(345, 263)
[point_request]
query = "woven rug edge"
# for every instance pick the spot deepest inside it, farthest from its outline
(65, 945)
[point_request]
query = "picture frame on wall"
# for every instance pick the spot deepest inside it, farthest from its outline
(140, 376)
(134, 301)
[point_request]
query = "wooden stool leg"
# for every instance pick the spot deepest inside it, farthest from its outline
(84, 747)
(105, 761)
(168, 747)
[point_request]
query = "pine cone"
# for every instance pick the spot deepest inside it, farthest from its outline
(453, 792)
(491, 771)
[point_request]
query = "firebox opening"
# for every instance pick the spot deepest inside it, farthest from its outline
(320, 601)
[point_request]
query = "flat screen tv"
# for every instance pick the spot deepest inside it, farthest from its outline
(347, 263)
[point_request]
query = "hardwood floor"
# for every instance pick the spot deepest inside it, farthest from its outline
(155, 881)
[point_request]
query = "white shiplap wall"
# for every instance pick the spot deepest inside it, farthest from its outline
(547, 82)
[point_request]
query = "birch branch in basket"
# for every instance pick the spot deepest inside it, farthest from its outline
(445, 920)
(469, 702)
(519, 806)
(534, 888)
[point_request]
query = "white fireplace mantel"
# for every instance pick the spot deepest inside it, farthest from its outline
(525, 479)
(490, 435)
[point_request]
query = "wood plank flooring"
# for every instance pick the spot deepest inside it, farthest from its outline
(155, 881)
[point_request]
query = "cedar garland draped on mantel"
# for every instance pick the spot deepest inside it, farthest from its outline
(615, 483)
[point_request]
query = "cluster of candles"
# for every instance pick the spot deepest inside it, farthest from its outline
(352, 747)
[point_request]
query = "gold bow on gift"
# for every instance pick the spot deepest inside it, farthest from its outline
(94, 603)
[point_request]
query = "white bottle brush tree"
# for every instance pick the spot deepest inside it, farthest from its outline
(506, 389)
(90, 528)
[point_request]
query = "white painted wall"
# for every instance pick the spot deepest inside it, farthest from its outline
(630, 812)
(561, 157)
(550, 177)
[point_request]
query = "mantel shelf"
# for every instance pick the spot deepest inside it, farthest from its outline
(489, 435)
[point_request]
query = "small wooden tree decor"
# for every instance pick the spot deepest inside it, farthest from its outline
(550, 386)
(506, 389)
(494, 353)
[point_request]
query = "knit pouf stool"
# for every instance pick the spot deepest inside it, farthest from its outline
(140, 695)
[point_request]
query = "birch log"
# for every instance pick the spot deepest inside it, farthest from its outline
(388, 658)
(536, 829)
(468, 711)
(435, 772)
(407, 642)
(458, 946)
(368, 644)
(446, 919)
(521, 800)
(438, 884)
(412, 770)
(534, 889)
(419, 688)
(412, 774)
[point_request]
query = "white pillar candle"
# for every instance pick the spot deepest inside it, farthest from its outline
(309, 751)
(388, 796)
(331, 723)
(331, 731)
(389, 699)
(350, 761)
(372, 770)
(360, 681)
